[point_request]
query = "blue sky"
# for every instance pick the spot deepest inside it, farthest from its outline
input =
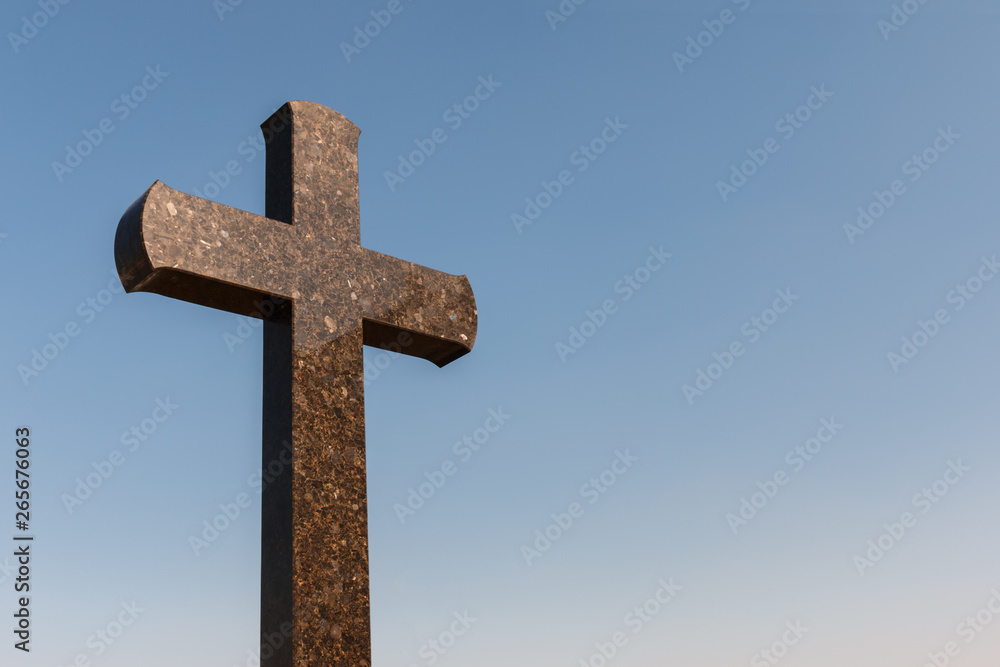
(899, 122)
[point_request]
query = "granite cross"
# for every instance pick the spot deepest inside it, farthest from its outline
(323, 296)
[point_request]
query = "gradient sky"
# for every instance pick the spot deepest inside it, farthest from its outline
(892, 95)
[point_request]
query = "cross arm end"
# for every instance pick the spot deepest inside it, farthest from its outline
(176, 245)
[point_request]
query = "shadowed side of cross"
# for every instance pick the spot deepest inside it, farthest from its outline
(334, 296)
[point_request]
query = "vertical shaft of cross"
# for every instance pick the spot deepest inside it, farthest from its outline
(315, 529)
(314, 525)
(314, 561)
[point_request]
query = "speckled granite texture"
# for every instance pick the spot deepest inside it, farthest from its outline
(323, 296)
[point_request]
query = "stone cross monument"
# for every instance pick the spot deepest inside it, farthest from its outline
(327, 296)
